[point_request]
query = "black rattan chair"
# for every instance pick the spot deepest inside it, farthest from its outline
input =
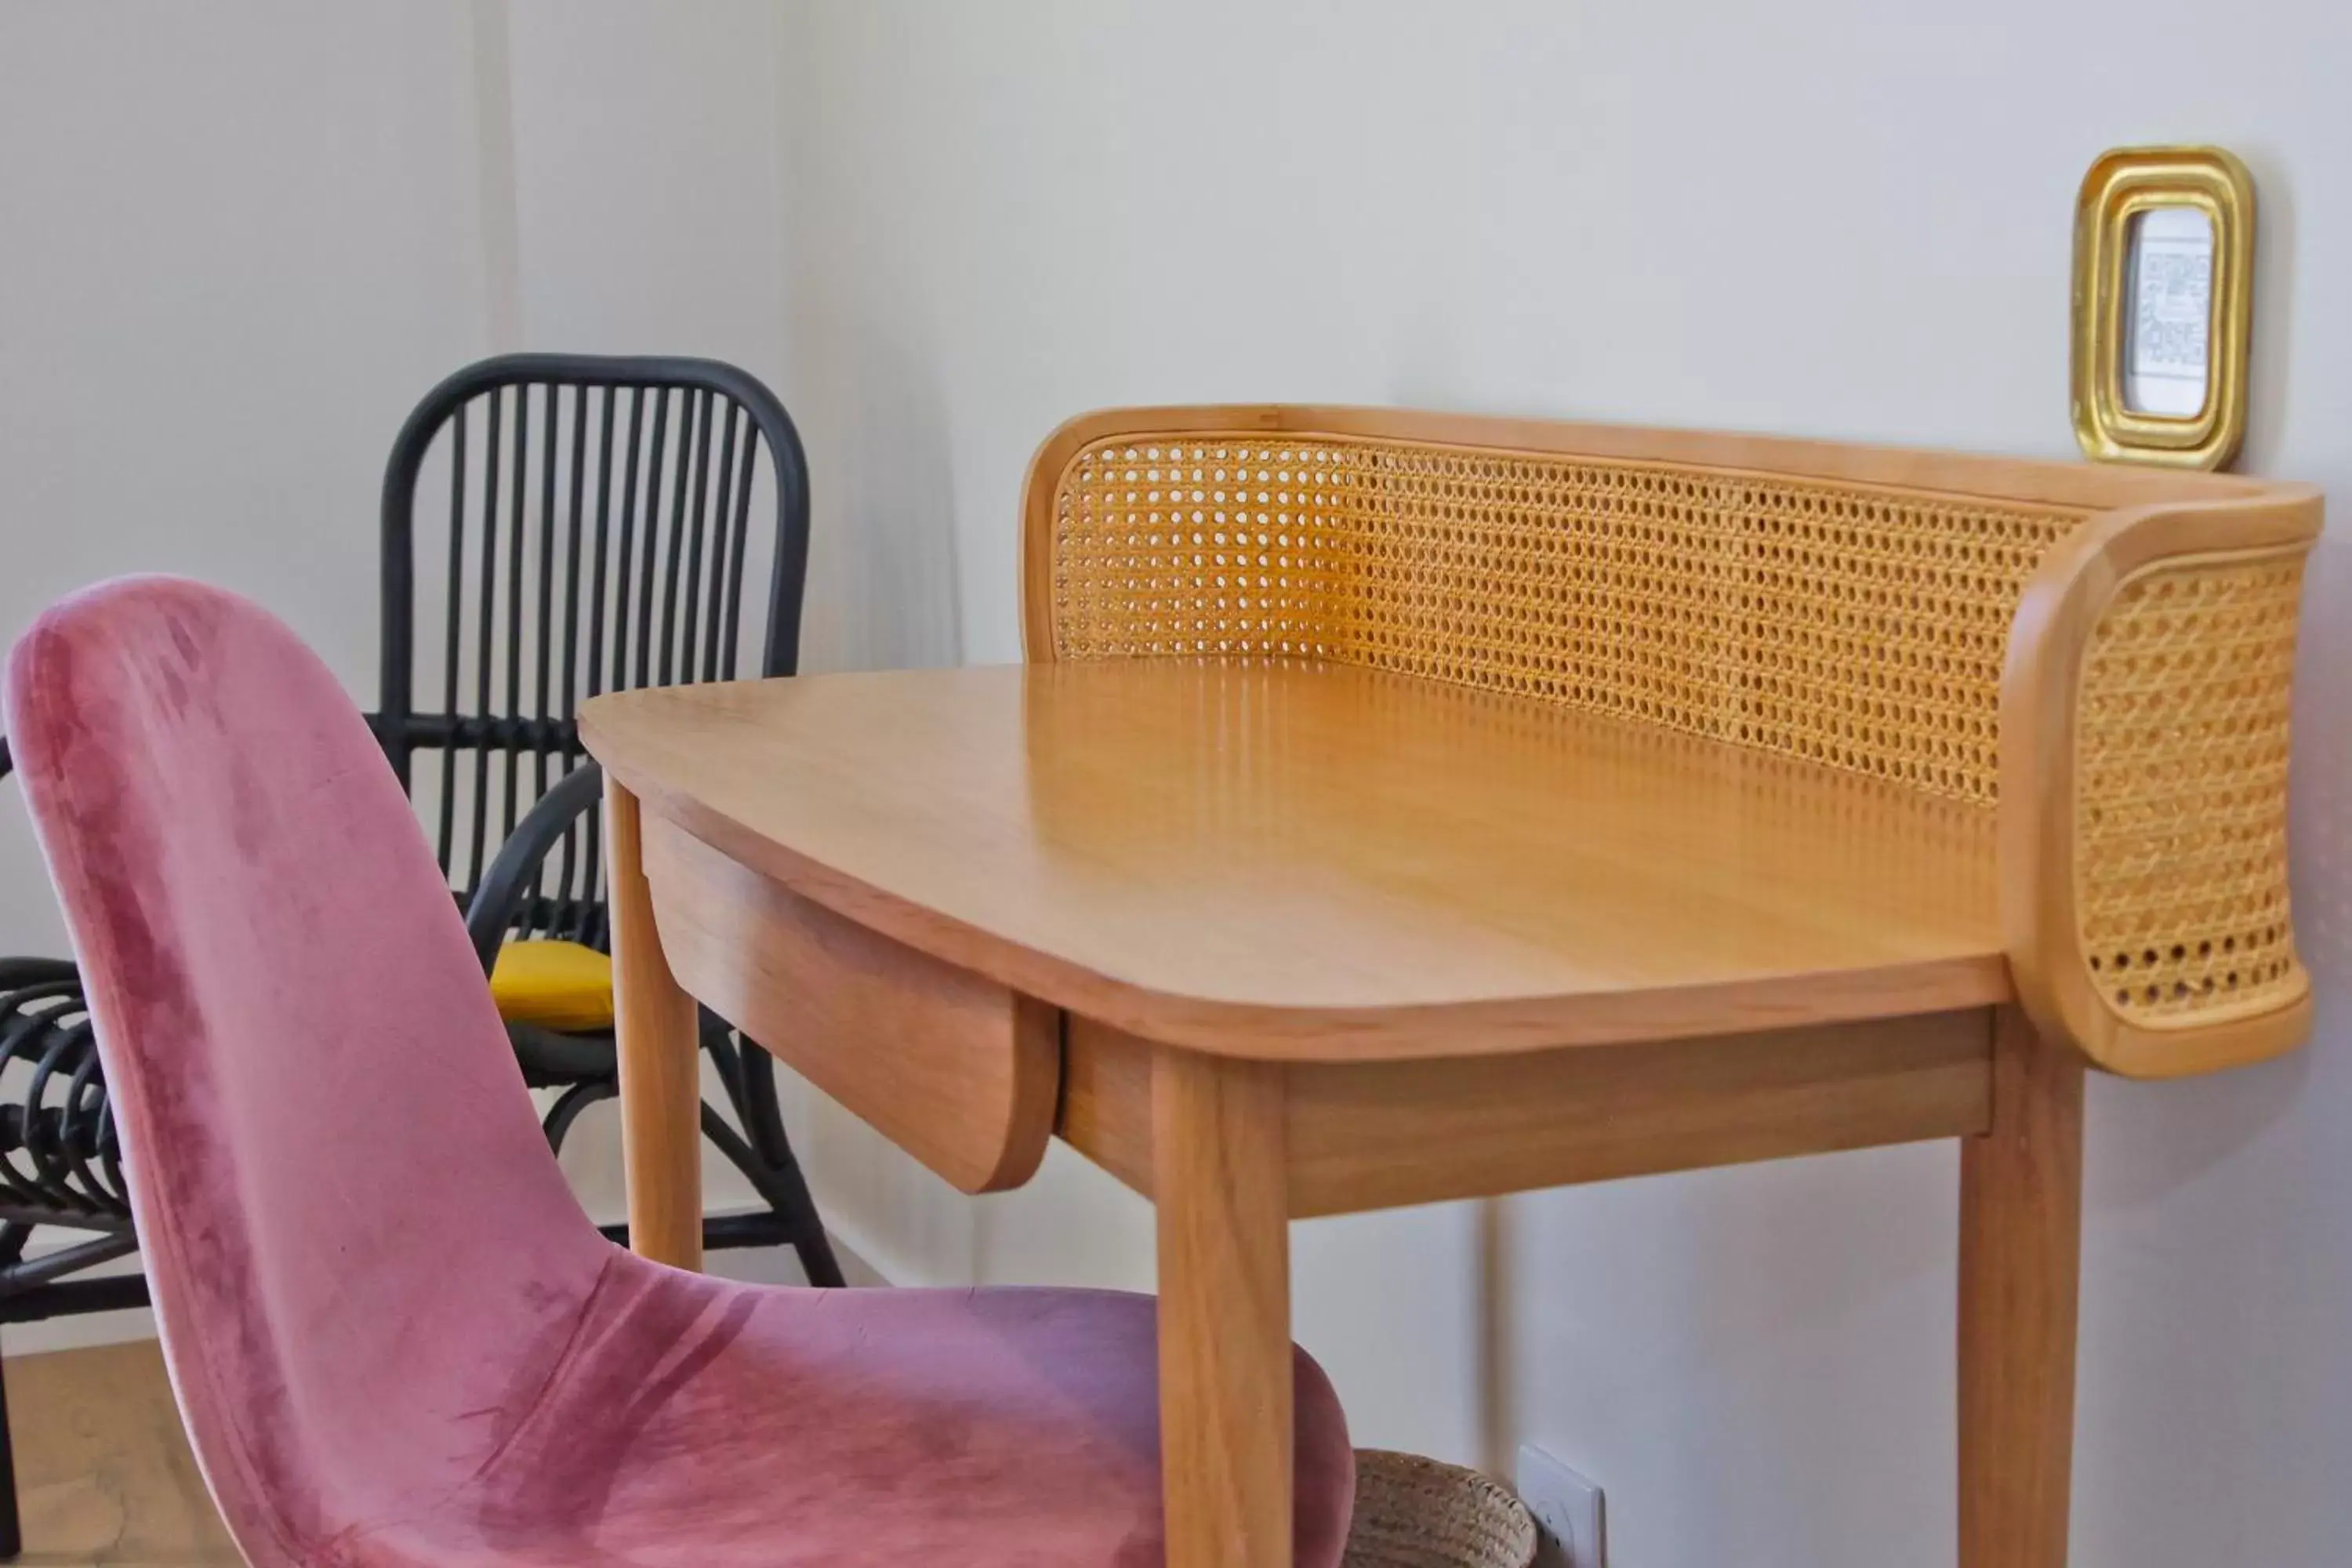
(642, 476)
(595, 516)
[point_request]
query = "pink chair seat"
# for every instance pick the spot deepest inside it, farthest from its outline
(702, 1423)
(394, 1338)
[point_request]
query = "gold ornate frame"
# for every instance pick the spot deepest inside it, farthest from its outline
(2120, 186)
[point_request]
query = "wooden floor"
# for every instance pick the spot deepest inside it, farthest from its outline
(103, 1471)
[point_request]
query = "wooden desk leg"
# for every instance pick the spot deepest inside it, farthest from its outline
(1226, 1454)
(2021, 1265)
(660, 1056)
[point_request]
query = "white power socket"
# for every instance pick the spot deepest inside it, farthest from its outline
(1568, 1508)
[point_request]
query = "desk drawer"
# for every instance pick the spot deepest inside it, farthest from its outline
(956, 1069)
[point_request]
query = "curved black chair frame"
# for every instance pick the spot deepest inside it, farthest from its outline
(636, 577)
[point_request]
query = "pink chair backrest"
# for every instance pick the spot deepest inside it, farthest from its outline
(358, 1240)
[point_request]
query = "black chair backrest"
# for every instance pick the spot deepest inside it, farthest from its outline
(593, 519)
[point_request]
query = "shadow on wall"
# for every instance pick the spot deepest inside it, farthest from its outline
(882, 581)
(2321, 831)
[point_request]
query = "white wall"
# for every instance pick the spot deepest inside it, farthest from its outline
(240, 241)
(242, 238)
(1825, 216)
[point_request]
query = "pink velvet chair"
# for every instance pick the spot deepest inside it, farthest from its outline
(393, 1336)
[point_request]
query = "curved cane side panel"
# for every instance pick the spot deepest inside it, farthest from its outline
(2144, 875)
(2181, 757)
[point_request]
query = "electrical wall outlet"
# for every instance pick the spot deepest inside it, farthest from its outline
(1568, 1509)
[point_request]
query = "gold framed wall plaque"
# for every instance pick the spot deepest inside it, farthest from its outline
(2164, 252)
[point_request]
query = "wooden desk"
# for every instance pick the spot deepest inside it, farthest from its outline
(1643, 801)
(1288, 940)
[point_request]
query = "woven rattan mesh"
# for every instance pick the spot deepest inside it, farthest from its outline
(2180, 792)
(1859, 626)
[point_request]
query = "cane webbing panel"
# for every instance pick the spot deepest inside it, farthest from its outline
(2180, 792)
(1857, 626)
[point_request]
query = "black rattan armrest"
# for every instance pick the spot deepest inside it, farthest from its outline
(514, 874)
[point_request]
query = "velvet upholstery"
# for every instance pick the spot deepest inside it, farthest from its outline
(394, 1338)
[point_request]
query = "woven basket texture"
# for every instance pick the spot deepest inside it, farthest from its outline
(1412, 1512)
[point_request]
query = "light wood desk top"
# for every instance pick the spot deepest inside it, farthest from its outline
(1297, 860)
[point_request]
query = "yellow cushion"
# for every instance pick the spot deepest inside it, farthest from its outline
(554, 985)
